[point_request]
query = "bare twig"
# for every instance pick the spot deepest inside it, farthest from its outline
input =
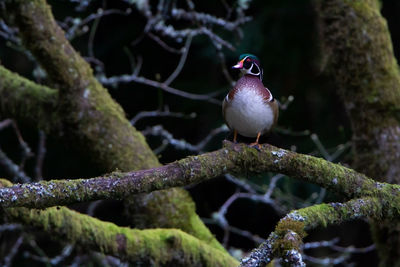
(41, 152)
(164, 44)
(225, 71)
(253, 237)
(10, 227)
(285, 105)
(78, 24)
(207, 19)
(327, 261)
(17, 173)
(182, 61)
(291, 132)
(14, 250)
(161, 113)
(55, 261)
(158, 130)
(243, 184)
(272, 185)
(133, 78)
(26, 150)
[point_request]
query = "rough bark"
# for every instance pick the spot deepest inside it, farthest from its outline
(27, 101)
(287, 239)
(233, 158)
(152, 247)
(89, 116)
(357, 41)
(90, 119)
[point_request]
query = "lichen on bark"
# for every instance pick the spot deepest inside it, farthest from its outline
(357, 40)
(151, 247)
(87, 115)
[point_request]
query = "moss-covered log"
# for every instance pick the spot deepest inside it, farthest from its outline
(357, 40)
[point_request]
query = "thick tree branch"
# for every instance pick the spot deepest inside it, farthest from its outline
(88, 114)
(140, 247)
(356, 37)
(236, 158)
(26, 101)
(91, 120)
(285, 242)
(357, 40)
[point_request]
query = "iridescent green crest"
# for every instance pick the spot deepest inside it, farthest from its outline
(242, 56)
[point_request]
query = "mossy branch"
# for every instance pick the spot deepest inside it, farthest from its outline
(92, 121)
(26, 101)
(89, 116)
(286, 241)
(236, 158)
(357, 40)
(153, 247)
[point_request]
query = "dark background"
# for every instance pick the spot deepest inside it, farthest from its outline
(284, 35)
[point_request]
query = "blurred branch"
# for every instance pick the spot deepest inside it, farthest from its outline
(55, 261)
(10, 227)
(41, 152)
(229, 228)
(26, 150)
(158, 130)
(10, 34)
(139, 79)
(185, 51)
(207, 19)
(220, 219)
(200, 22)
(75, 26)
(7, 261)
(345, 252)
(220, 215)
(225, 71)
(13, 169)
(163, 44)
(161, 113)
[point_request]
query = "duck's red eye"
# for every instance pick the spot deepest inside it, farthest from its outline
(248, 59)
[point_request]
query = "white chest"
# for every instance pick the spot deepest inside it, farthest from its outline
(248, 113)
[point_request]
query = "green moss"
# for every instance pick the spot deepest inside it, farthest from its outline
(290, 236)
(26, 100)
(169, 215)
(5, 183)
(289, 224)
(90, 117)
(147, 247)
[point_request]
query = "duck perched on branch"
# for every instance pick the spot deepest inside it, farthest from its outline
(249, 109)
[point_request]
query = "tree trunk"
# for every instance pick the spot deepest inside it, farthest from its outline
(357, 41)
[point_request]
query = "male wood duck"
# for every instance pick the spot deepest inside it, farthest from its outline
(249, 108)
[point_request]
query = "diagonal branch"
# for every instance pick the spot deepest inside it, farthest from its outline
(285, 242)
(235, 158)
(26, 101)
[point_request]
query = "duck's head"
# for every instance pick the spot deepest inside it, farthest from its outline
(249, 64)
